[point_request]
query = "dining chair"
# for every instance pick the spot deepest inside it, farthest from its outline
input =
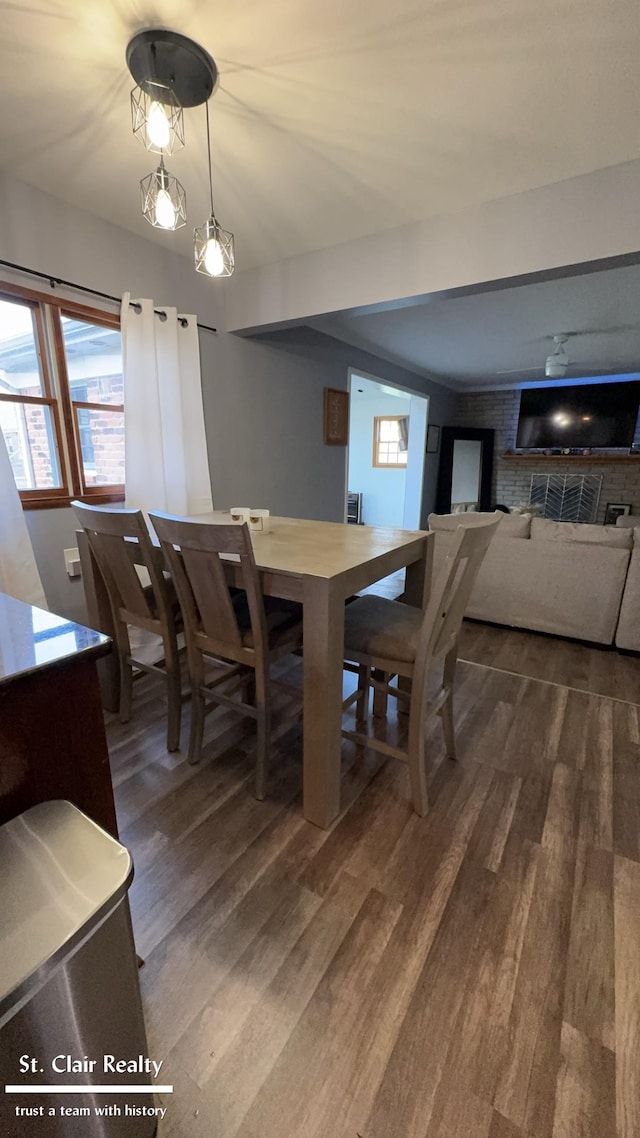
(242, 632)
(386, 638)
(116, 539)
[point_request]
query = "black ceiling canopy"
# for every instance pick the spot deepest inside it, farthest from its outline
(160, 56)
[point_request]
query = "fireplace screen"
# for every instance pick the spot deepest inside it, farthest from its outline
(566, 497)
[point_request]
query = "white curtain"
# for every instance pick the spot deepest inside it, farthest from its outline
(166, 464)
(19, 576)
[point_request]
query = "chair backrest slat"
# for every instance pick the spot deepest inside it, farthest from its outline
(450, 597)
(112, 535)
(206, 575)
(196, 553)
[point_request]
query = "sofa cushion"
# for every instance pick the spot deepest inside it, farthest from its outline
(510, 525)
(543, 529)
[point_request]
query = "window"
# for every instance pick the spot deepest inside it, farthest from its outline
(61, 399)
(52, 635)
(390, 438)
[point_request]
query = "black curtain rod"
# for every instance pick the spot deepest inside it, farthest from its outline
(53, 281)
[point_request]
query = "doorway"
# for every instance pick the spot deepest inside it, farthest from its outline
(386, 452)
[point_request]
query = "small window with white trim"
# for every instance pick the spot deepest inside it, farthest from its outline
(390, 441)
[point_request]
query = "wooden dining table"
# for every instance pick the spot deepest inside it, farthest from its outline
(320, 564)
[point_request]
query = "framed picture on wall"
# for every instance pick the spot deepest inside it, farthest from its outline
(336, 417)
(615, 510)
(433, 439)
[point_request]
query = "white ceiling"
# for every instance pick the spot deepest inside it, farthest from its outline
(370, 389)
(467, 341)
(332, 120)
(335, 121)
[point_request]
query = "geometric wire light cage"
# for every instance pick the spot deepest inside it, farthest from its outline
(157, 119)
(164, 201)
(214, 249)
(213, 246)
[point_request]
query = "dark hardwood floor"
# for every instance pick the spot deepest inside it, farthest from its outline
(472, 974)
(587, 667)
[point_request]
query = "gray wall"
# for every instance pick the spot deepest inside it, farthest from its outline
(330, 360)
(264, 408)
(53, 531)
(263, 416)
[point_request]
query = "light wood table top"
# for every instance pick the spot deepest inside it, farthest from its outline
(321, 549)
(346, 558)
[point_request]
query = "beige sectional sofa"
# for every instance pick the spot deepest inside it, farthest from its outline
(574, 580)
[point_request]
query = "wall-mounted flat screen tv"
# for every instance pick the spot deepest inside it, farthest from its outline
(584, 415)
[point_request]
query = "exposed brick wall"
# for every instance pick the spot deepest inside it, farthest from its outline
(39, 446)
(106, 429)
(108, 449)
(35, 422)
(512, 480)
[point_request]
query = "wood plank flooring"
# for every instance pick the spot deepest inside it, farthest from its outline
(586, 667)
(471, 974)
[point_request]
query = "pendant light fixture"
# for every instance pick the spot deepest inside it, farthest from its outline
(170, 72)
(164, 201)
(213, 246)
(157, 119)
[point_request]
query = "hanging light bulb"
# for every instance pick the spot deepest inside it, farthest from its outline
(213, 249)
(157, 118)
(164, 213)
(213, 246)
(164, 202)
(213, 259)
(158, 129)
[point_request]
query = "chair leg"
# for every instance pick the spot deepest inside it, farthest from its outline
(250, 688)
(417, 756)
(126, 686)
(196, 679)
(446, 713)
(174, 697)
(380, 697)
(362, 703)
(404, 684)
(263, 707)
(448, 729)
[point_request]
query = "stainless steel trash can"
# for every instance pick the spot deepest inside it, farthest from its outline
(70, 1010)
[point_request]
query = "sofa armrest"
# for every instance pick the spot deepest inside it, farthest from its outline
(628, 630)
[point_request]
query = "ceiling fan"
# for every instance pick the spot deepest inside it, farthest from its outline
(556, 363)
